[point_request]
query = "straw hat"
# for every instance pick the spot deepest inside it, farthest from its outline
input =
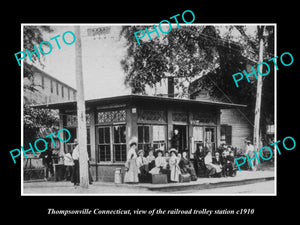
(173, 150)
(140, 151)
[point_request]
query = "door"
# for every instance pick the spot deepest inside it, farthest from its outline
(179, 138)
(210, 138)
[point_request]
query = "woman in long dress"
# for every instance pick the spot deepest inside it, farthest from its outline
(131, 174)
(174, 166)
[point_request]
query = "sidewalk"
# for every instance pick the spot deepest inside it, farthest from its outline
(63, 188)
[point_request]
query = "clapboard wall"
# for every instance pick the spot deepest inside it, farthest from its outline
(241, 128)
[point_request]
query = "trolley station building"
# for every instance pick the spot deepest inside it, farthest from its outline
(150, 120)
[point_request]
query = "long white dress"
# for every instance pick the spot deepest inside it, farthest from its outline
(160, 162)
(131, 175)
(175, 169)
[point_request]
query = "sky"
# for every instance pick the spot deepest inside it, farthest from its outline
(101, 56)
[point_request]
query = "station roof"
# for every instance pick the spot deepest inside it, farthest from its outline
(132, 99)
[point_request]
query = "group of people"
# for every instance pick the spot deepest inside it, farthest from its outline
(71, 162)
(140, 168)
(222, 165)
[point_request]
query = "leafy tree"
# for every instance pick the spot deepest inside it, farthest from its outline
(34, 119)
(190, 52)
(33, 35)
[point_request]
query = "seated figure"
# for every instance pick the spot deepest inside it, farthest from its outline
(186, 166)
(199, 160)
(160, 163)
(218, 163)
(151, 160)
(142, 164)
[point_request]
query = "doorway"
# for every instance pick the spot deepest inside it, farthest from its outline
(179, 138)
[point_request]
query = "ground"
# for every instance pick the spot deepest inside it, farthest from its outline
(245, 182)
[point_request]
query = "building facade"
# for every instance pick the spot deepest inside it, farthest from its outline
(149, 120)
(47, 88)
(235, 127)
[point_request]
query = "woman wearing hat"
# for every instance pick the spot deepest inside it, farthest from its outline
(160, 162)
(187, 167)
(174, 165)
(131, 174)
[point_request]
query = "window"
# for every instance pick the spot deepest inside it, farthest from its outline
(62, 90)
(144, 137)
(159, 136)
(119, 145)
(103, 152)
(226, 134)
(51, 86)
(198, 138)
(57, 91)
(68, 94)
(43, 82)
(111, 144)
(88, 142)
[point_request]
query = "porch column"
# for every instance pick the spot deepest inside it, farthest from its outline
(92, 136)
(61, 125)
(131, 124)
(218, 131)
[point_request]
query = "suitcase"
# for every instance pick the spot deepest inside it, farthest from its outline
(184, 178)
(159, 179)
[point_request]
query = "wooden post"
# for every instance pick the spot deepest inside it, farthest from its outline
(81, 118)
(256, 135)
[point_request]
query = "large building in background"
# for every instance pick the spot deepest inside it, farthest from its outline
(45, 88)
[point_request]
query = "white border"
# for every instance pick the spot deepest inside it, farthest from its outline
(143, 24)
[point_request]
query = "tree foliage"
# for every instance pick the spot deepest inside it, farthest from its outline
(33, 35)
(34, 119)
(191, 52)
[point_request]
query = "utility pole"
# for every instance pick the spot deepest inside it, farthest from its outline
(256, 135)
(81, 118)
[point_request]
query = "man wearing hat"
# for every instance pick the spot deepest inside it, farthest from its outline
(250, 151)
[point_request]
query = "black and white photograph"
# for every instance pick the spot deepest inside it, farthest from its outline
(161, 112)
(144, 113)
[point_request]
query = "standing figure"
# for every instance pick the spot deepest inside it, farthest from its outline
(250, 151)
(174, 166)
(69, 163)
(47, 162)
(131, 174)
(75, 156)
(175, 141)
